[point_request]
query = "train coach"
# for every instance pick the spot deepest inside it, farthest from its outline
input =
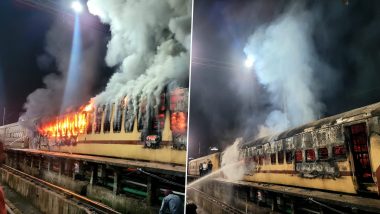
(117, 130)
(340, 153)
(14, 136)
(194, 165)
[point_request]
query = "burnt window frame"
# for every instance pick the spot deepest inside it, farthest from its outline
(98, 120)
(279, 154)
(295, 156)
(158, 123)
(90, 122)
(127, 112)
(341, 156)
(261, 160)
(319, 156)
(307, 153)
(107, 118)
(273, 159)
(117, 122)
(289, 157)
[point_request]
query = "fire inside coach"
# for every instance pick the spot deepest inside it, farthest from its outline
(123, 129)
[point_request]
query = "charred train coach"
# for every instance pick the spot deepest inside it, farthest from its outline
(13, 135)
(340, 153)
(148, 133)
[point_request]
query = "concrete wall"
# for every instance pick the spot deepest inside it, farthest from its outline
(119, 202)
(226, 193)
(43, 199)
(65, 181)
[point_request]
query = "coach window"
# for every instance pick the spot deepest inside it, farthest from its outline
(256, 159)
(339, 152)
(129, 118)
(261, 159)
(141, 118)
(298, 156)
(280, 157)
(159, 119)
(273, 158)
(289, 157)
(310, 155)
(89, 122)
(118, 117)
(323, 154)
(98, 119)
(107, 119)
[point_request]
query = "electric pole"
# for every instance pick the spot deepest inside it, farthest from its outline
(4, 116)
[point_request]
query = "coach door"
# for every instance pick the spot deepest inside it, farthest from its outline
(358, 141)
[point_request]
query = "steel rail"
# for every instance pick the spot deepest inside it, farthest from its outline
(226, 207)
(91, 204)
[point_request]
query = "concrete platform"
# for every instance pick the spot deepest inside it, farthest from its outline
(151, 166)
(362, 203)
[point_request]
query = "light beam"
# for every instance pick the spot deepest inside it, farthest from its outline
(77, 6)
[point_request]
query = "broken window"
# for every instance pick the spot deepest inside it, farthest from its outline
(107, 119)
(261, 159)
(280, 157)
(298, 156)
(159, 119)
(256, 159)
(310, 155)
(129, 117)
(118, 118)
(273, 158)
(289, 157)
(339, 152)
(89, 122)
(142, 116)
(323, 154)
(98, 119)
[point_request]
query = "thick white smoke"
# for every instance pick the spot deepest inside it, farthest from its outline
(149, 44)
(285, 63)
(233, 169)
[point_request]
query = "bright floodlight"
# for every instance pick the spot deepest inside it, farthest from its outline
(77, 6)
(249, 62)
(214, 149)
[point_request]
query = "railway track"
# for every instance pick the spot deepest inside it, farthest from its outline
(211, 199)
(94, 206)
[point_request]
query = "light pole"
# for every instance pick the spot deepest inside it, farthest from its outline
(4, 116)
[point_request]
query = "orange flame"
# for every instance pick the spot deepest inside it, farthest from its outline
(69, 125)
(179, 122)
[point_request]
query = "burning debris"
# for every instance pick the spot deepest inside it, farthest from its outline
(69, 125)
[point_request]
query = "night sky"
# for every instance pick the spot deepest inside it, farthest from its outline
(224, 98)
(23, 62)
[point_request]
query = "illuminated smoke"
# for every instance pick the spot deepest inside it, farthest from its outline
(149, 44)
(45, 102)
(286, 65)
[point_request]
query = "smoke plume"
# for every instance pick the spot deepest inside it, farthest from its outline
(149, 45)
(46, 102)
(286, 65)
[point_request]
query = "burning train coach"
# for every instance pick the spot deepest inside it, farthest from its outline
(147, 132)
(338, 153)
